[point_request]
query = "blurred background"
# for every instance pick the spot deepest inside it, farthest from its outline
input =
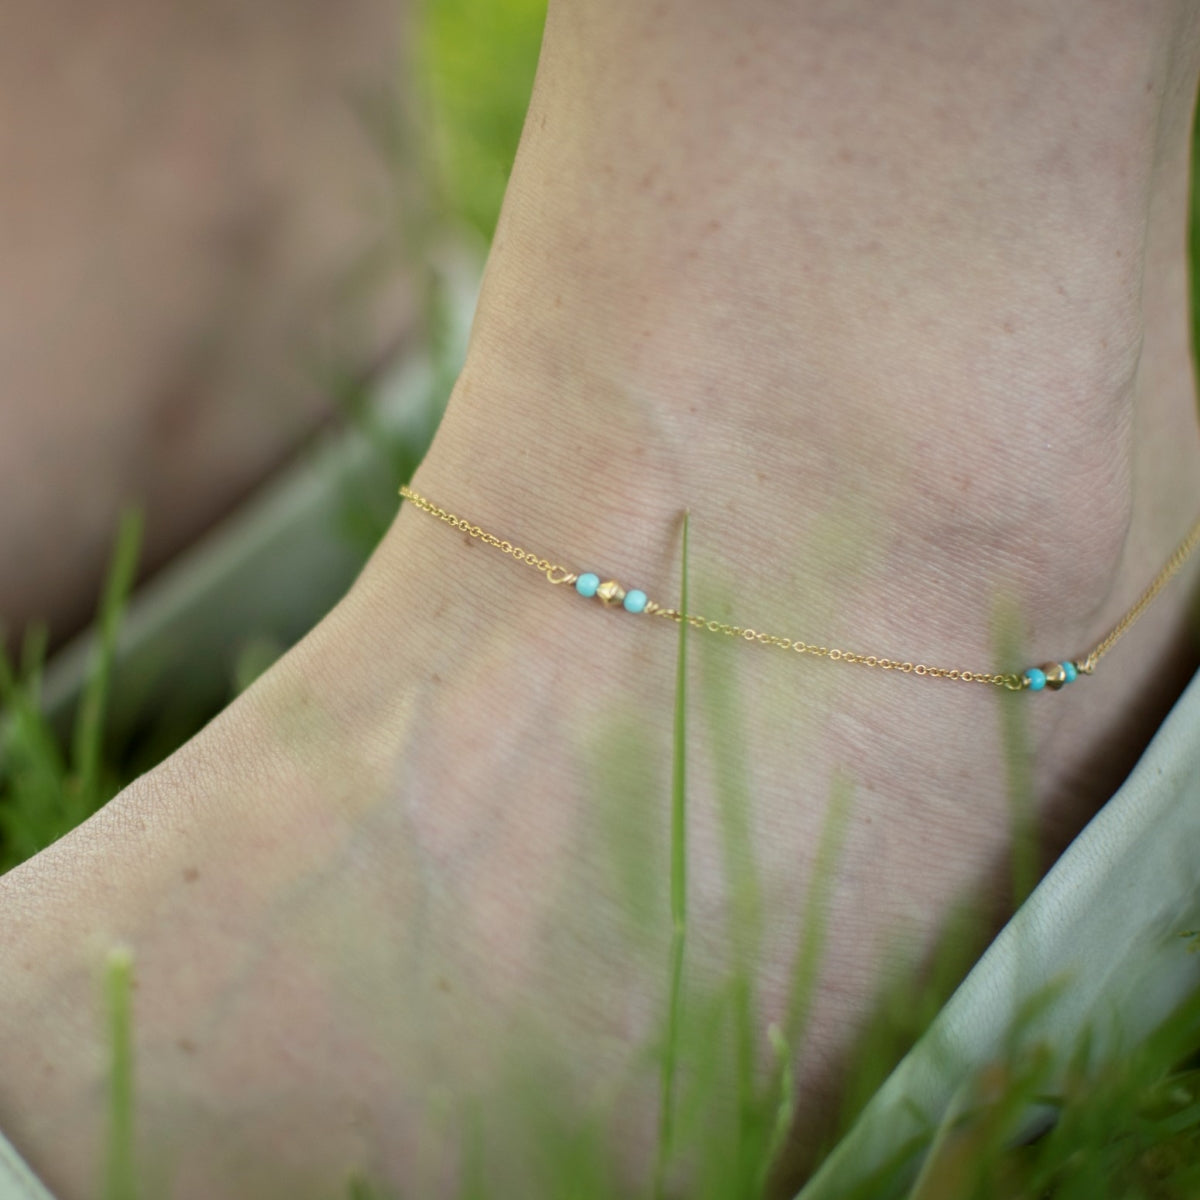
(241, 248)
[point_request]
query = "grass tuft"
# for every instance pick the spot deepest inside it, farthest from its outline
(46, 791)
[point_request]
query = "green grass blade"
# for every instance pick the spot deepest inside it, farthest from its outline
(32, 768)
(33, 655)
(666, 1129)
(474, 1178)
(941, 1169)
(727, 743)
(359, 1189)
(88, 735)
(816, 907)
(1008, 641)
(785, 1109)
(120, 1181)
(806, 967)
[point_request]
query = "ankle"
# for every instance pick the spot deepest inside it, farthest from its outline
(863, 441)
(830, 523)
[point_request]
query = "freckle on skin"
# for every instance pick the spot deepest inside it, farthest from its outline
(186, 1045)
(435, 678)
(190, 874)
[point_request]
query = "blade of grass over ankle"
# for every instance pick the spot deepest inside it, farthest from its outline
(120, 1178)
(727, 742)
(1014, 738)
(816, 909)
(666, 1130)
(784, 1110)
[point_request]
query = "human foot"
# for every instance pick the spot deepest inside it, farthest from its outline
(443, 818)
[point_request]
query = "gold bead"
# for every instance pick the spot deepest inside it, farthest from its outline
(1055, 675)
(611, 592)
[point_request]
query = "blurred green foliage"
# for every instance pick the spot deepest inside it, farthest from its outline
(475, 62)
(46, 789)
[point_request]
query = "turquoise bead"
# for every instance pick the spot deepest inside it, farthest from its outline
(1037, 679)
(587, 584)
(634, 601)
(1071, 670)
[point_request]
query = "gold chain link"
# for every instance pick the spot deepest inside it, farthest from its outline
(837, 654)
(543, 565)
(1088, 663)
(1013, 681)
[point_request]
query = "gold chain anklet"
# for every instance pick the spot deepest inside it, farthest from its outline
(1052, 675)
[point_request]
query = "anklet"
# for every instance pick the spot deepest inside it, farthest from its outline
(1052, 675)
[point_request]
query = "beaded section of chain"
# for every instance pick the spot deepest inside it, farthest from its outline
(610, 593)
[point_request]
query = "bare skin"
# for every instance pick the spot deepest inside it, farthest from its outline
(189, 197)
(894, 304)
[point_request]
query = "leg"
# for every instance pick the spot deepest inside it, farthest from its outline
(894, 303)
